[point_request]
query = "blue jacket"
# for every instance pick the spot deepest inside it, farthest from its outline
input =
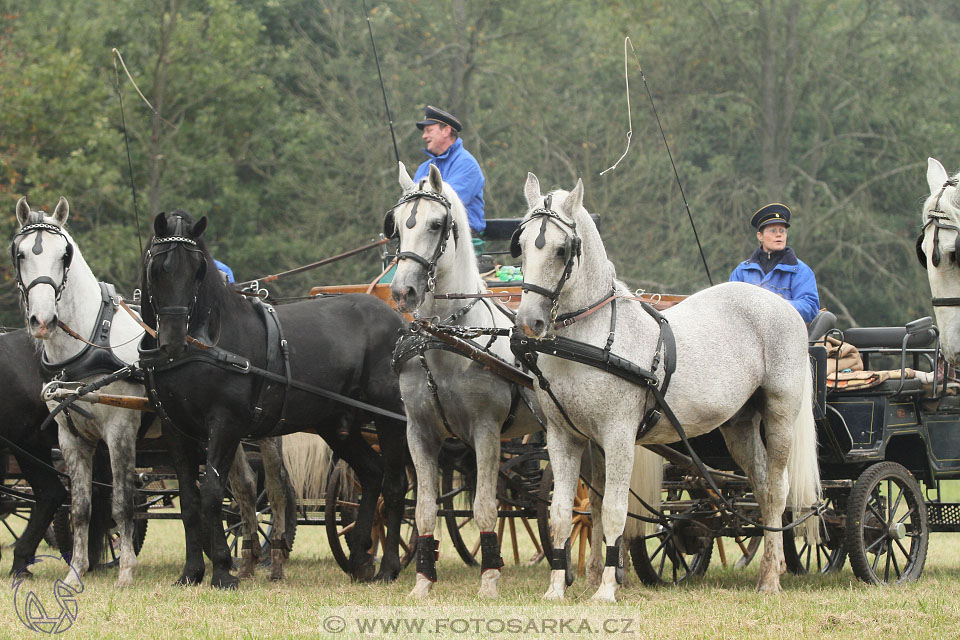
(791, 279)
(460, 170)
(227, 271)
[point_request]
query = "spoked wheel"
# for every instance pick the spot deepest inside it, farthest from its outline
(582, 523)
(677, 550)
(233, 526)
(16, 512)
(340, 514)
(826, 556)
(887, 533)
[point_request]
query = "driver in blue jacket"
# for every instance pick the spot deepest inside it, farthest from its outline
(775, 267)
(457, 166)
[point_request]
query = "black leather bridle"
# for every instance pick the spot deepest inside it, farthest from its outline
(390, 230)
(936, 217)
(37, 249)
(161, 246)
(572, 248)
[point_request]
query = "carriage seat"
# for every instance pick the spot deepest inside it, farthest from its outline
(922, 334)
(503, 228)
(822, 323)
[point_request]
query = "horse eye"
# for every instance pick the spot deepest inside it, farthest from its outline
(561, 252)
(435, 225)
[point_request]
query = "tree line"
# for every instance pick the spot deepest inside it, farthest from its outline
(267, 117)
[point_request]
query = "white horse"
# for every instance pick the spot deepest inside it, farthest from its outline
(937, 251)
(472, 404)
(741, 357)
(44, 255)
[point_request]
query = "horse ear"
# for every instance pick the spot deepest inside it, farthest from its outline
(406, 182)
(160, 224)
(936, 175)
(532, 191)
(198, 228)
(62, 211)
(436, 180)
(574, 201)
(23, 210)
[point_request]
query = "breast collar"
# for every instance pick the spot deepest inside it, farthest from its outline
(91, 360)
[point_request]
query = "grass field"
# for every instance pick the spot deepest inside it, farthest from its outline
(317, 598)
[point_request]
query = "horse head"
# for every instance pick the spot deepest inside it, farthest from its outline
(42, 253)
(429, 220)
(550, 243)
(175, 266)
(937, 251)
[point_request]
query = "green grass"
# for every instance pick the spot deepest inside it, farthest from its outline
(721, 604)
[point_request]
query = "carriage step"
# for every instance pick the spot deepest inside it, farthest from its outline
(944, 516)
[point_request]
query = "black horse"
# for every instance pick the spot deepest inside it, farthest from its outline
(21, 414)
(225, 367)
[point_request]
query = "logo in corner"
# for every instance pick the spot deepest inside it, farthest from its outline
(32, 611)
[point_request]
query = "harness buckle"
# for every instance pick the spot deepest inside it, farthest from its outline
(137, 296)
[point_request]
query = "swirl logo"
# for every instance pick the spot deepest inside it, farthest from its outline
(34, 614)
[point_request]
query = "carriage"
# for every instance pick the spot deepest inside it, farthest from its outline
(874, 511)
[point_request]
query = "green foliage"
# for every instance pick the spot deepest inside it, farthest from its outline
(269, 120)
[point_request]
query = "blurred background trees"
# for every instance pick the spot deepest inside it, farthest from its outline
(269, 119)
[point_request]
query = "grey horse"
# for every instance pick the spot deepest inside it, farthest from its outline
(741, 357)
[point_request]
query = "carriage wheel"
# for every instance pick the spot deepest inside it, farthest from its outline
(340, 513)
(15, 512)
(106, 553)
(826, 556)
(517, 487)
(676, 550)
(582, 523)
(233, 527)
(887, 533)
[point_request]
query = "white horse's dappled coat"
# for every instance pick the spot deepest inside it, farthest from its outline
(945, 276)
(741, 356)
(475, 402)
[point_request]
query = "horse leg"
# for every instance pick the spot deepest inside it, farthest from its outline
(121, 436)
(618, 445)
(78, 456)
(565, 453)
(185, 455)
(243, 486)
(49, 493)
(748, 451)
(369, 472)
(592, 466)
(275, 481)
(425, 450)
(486, 443)
(392, 437)
(221, 450)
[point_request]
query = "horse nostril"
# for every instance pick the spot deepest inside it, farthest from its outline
(538, 327)
(34, 323)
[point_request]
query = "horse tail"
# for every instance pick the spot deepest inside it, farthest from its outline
(802, 465)
(646, 482)
(308, 460)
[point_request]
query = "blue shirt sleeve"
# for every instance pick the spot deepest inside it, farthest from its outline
(805, 297)
(466, 178)
(737, 275)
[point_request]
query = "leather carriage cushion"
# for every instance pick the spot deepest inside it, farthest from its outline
(923, 335)
(840, 356)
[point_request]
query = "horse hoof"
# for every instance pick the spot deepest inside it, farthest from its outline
(73, 580)
(553, 594)
(386, 576)
(227, 581)
(422, 588)
(605, 594)
(772, 586)
(21, 573)
(488, 584)
(364, 572)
